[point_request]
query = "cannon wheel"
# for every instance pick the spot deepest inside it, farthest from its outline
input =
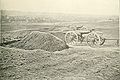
(102, 40)
(94, 40)
(71, 38)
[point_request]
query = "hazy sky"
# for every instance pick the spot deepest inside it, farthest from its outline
(99, 7)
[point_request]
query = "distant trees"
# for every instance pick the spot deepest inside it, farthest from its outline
(26, 19)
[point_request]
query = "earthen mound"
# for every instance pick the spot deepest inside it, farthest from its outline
(40, 40)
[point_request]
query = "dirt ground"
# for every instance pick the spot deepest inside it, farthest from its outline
(40, 40)
(75, 63)
(79, 62)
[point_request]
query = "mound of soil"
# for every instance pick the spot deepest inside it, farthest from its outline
(7, 36)
(69, 64)
(16, 64)
(40, 40)
(60, 35)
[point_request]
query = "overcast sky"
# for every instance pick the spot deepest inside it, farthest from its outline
(95, 7)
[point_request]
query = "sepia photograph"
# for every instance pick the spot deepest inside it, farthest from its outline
(59, 40)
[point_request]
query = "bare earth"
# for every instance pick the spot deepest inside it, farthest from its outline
(75, 63)
(79, 62)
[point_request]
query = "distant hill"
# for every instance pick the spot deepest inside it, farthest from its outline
(15, 20)
(61, 16)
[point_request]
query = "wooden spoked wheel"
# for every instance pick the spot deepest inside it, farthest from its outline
(94, 40)
(71, 38)
(102, 40)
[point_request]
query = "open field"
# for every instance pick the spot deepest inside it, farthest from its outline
(39, 50)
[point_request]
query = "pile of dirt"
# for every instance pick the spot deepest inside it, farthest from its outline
(17, 64)
(40, 40)
(59, 34)
(18, 34)
(70, 64)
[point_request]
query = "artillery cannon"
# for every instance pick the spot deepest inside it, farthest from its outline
(92, 37)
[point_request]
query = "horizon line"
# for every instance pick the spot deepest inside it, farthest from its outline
(61, 13)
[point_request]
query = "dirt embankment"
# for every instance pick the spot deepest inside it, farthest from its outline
(40, 40)
(69, 64)
(19, 34)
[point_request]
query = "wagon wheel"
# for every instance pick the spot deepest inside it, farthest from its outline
(71, 38)
(94, 40)
(102, 40)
